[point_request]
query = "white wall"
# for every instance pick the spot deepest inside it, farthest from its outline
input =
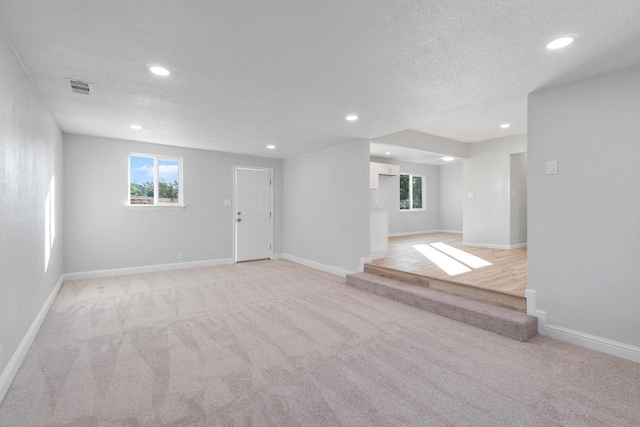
(387, 197)
(30, 155)
(486, 217)
(326, 206)
(101, 233)
(451, 197)
(584, 222)
(518, 201)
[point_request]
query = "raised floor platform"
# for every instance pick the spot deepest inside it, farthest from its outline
(501, 279)
(500, 320)
(490, 296)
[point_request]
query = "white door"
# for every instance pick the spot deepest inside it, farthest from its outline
(252, 213)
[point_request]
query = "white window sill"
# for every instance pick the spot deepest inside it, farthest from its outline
(412, 210)
(155, 207)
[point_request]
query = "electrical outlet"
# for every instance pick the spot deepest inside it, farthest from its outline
(1, 354)
(180, 255)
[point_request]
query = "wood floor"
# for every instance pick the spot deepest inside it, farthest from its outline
(503, 282)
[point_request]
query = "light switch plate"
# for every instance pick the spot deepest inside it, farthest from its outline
(227, 202)
(552, 167)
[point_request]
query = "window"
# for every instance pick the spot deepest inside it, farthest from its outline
(411, 192)
(155, 180)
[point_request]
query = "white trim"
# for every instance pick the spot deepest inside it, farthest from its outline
(156, 179)
(450, 231)
(593, 342)
(494, 246)
(423, 209)
(581, 339)
(13, 366)
(235, 207)
(146, 269)
(317, 265)
(154, 207)
(276, 256)
(518, 246)
(366, 260)
(411, 233)
(532, 308)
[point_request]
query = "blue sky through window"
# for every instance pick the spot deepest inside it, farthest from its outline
(168, 170)
(141, 169)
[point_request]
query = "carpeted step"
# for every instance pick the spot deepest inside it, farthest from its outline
(509, 323)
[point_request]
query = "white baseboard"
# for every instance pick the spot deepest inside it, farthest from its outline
(12, 367)
(532, 309)
(593, 342)
(366, 260)
(146, 269)
(318, 266)
(450, 231)
(411, 233)
(518, 246)
(494, 246)
(581, 339)
(276, 256)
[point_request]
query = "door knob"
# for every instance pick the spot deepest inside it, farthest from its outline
(239, 213)
(239, 219)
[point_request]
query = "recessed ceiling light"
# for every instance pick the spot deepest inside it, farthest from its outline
(447, 158)
(560, 43)
(271, 147)
(136, 127)
(352, 117)
(160, 71)
(388, 153)
(505, 126)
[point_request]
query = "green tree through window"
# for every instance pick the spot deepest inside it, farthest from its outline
(411, 192)
(155, 180)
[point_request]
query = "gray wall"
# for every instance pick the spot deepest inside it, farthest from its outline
(518, 202)
(486, 217)
(387, 197)
(326, 205)
(584, 222)
(101, 233)
(30, 154)
(451, 197)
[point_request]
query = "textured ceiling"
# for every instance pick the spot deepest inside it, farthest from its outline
(479, 123)
(246, 73)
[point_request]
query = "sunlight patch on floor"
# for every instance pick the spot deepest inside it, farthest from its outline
(443, 261)
(449, 259)
(462, 256)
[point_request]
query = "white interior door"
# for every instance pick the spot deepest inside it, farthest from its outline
(253, 213)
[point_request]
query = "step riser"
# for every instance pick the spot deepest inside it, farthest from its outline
(479, 294)
(518, 326)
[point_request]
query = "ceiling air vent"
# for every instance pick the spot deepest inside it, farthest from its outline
(78, 86)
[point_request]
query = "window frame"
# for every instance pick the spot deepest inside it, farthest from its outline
(411, 208)
(157, 158)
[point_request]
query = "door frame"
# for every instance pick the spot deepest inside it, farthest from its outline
(235, 208)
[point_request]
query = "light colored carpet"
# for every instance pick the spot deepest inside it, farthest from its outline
(276, 343)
